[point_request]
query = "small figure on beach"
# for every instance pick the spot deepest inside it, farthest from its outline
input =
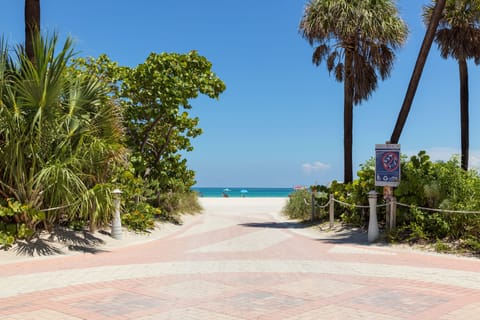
(225, 195)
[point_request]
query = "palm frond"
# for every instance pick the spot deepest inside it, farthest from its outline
(369, 29)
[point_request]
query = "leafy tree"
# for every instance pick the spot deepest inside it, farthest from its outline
(155, 98)
(458, 37)
(357, 40)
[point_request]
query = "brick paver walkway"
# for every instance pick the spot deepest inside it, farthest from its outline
(244, 263)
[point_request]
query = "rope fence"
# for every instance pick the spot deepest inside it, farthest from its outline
(352, 205)
(436, 210)
(390, 211)
(357, 205)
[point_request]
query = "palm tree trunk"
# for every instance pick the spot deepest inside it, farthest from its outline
(348, 118)
(417, 71)
(32, 25)
(464, 118)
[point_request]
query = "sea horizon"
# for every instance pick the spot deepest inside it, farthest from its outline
(244, 192)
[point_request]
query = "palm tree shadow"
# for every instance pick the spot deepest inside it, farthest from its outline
(36, 246)
(82, 241)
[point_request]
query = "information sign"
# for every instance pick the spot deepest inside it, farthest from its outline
(387, 165)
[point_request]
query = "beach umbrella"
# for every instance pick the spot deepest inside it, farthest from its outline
(226, 190)
(243, 191)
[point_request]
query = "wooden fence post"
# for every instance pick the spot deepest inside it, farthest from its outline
(388, 216)
(393, 213)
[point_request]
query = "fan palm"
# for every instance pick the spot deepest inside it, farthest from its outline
(458, 37)
(357, 40)
(59, 135)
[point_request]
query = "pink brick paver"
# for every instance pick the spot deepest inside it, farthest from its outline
(241, 260)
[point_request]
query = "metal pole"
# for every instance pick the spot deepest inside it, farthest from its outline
(116, 222)
(372, 223)
(331, 209)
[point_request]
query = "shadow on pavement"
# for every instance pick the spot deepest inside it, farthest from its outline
(340, 234)
(36, 246)
(278, 225)
(345, 237)
(52, 244)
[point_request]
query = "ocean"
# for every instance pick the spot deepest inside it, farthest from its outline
(244, 192)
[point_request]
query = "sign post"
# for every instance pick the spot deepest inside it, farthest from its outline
(387, 174)
(387, 165)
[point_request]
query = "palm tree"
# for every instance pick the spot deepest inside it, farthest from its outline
(357, 40)
(458, 37)
(59, 137)
(417, 71)
(32, 25)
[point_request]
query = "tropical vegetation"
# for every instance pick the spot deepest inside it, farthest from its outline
(155, 98)
(60, 140)
(357, 41)
(425, 185)
(73, 130)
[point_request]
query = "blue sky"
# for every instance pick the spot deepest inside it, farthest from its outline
(280, 121)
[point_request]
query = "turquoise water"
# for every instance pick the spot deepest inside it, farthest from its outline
(244, 192)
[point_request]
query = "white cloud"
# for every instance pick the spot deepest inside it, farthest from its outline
(474, 159)
(317, 166)
(442, 154)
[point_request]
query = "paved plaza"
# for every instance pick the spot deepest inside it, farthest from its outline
(240, 259)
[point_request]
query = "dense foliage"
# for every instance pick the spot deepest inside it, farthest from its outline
(155, 99)
(73, 130)
(425, 184)
(298, 206)
(60, 140)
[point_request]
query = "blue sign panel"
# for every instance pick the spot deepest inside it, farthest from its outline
(387, 165)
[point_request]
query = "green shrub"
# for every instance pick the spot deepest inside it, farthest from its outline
(6, 239)
(297, 208)
(424, 183)
(442, 247)
(356, 194)
(140, 218)
(188, 203)
(472, 244)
